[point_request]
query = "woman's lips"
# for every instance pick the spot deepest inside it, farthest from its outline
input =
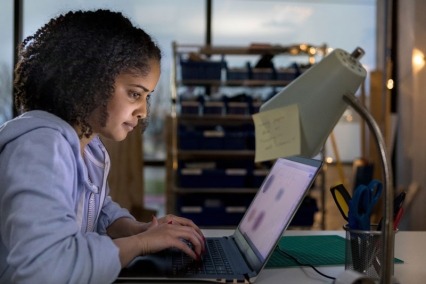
(129, 126)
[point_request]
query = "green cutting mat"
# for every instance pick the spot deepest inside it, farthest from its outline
(314, 250)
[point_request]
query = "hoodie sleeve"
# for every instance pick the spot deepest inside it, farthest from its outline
(111, 211)
(39, 189)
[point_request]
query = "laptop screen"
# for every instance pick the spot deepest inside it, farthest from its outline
(276, 202)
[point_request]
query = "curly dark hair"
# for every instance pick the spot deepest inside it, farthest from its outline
(68, 67)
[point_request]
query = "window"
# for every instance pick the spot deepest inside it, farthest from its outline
(343, 24)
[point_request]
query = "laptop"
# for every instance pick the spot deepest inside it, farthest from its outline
(248, 249)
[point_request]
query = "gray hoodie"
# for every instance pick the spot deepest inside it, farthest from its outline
(54, 206)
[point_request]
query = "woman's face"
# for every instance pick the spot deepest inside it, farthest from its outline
(128, 104)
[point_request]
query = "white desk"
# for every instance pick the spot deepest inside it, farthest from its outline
(409, 246)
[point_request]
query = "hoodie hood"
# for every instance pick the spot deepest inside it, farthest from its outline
(32, 120)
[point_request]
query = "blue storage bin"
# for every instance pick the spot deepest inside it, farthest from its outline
(190, 107)
(201, 70)
(235, 140)
(214, 108)
(262, 74)
(251, 140)
(286, 74)
(191, 178)
(238, 108)
(237, 74)
(234, 178)
(212, 140)
(259, 176)
(213, 209)
(189, 140)
(212, 178)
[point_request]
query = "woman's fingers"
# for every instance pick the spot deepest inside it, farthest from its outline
(154, 221)
(189, 235)
(163, 236)
(172, 219)
(188, 249)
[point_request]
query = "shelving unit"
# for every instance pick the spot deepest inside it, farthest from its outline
(211, 174)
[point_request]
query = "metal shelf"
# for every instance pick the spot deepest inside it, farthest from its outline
(235, 83)
(228, 119)
(176, 155)
(256, 49)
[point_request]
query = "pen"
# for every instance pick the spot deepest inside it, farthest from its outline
(397, 218)
(397, 205)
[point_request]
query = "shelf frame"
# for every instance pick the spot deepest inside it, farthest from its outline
(174, 154)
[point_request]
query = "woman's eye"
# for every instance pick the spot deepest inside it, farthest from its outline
(135, 95)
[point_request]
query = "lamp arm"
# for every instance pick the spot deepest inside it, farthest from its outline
(387, 230)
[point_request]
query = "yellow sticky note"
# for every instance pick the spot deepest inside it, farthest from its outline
(277, 133)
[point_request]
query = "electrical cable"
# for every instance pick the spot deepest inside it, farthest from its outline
(304, 264)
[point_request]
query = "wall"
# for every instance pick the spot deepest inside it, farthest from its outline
(411, 139)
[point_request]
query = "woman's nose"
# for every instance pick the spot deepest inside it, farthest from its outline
(140, 112)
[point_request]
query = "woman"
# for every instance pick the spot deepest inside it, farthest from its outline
(83, 75)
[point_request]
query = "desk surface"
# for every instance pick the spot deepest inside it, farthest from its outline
(409, 246)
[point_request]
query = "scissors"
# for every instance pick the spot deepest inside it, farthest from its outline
(362, 204)
(342, 198)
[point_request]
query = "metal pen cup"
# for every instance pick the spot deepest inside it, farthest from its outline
(364, 251)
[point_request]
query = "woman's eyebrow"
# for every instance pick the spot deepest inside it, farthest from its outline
(141, 87)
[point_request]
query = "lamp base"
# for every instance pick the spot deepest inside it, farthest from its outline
(354, 277)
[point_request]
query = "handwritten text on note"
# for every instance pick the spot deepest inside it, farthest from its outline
(277, 133)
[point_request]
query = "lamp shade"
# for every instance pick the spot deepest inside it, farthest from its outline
(319, 92)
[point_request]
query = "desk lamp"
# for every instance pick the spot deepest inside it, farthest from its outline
(322, 94)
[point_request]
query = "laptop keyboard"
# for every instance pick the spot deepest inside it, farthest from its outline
(213, 261)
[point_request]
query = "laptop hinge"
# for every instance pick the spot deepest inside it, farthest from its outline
(253, 272)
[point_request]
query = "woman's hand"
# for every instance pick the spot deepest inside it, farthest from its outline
(159, 234)
(172, 232)
(175, 220)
